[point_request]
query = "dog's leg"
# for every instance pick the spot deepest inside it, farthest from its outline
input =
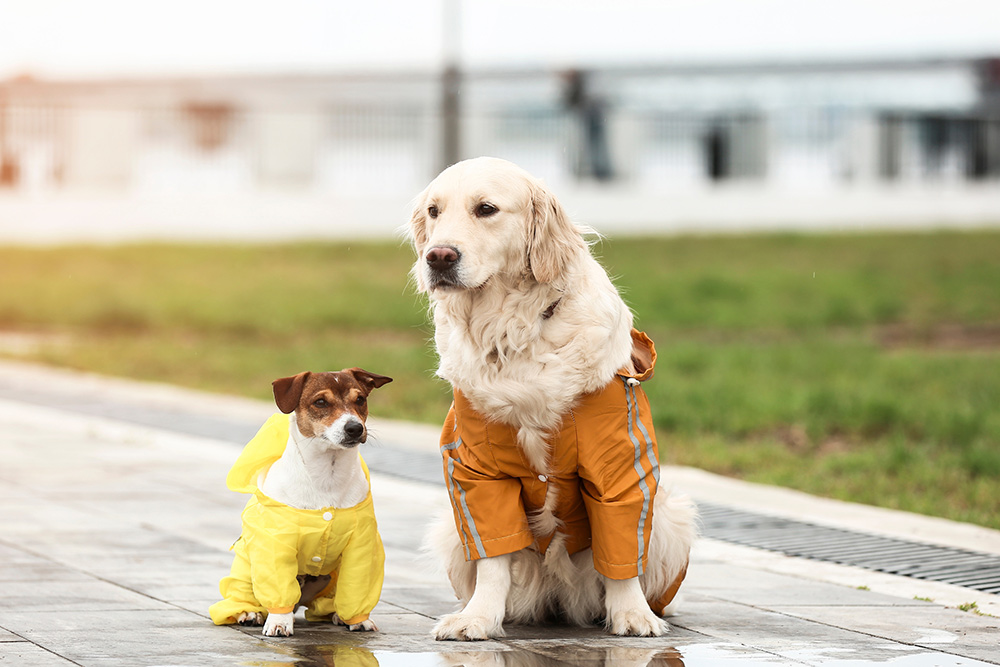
(250, 618)
(367, 625)
(482, 617)
(628, 613)
(279, 625)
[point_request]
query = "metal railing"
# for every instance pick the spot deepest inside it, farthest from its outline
(378, 147)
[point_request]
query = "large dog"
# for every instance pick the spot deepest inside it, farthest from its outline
(549, 451)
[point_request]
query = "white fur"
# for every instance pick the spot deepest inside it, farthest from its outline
(279, 625)
(483, 615)
(522, 361)
(317, 472)
(367, 625)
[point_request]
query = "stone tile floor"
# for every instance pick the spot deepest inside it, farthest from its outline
(113, 538)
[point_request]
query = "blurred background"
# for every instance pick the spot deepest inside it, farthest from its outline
(800, 201)
(310, 118)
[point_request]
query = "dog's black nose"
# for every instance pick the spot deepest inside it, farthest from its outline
(441, 258)
(353, 430)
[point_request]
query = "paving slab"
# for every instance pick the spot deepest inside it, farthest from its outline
(136, 637)
(767, 590)
(927, 626)
(113, 537)
(27, 654)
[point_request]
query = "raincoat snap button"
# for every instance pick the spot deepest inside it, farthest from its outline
(316, 559)
(327, 516)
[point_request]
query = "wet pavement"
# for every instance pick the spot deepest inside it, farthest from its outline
(114, 534)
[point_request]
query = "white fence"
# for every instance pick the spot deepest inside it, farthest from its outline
(216, 170)
(373, 149)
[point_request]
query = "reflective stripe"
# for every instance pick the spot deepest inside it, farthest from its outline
(451, 493)
(632, 410)
(651, 453)
(462, 503)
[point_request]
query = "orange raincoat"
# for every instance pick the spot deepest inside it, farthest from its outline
(603, 461)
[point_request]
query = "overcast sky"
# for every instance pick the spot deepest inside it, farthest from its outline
(86, 38)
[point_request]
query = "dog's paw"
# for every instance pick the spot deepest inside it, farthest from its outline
(467, 627)
(279, 625)
(637, 623)
(250, 618)
(367, 625)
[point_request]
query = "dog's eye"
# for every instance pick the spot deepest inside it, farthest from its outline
(433, 211)
(320, 403)
(360, 400)
(485, 210)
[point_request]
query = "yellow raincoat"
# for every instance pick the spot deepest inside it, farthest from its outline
(280, 543)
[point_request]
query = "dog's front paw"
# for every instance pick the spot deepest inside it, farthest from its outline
(250, 618)
(637, 623)
(279, 625)
(467, 627)
(368, 625)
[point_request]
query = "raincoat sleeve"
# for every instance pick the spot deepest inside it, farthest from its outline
(359, 581)
(272, 546)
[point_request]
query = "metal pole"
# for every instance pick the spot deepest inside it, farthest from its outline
(451, 83)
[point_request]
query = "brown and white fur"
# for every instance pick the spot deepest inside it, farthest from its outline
(526, 321)
(320, 466)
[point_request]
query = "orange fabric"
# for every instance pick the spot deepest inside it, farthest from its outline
(603, 460)
(668, 596)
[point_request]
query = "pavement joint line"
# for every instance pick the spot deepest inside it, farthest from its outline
(413, 611)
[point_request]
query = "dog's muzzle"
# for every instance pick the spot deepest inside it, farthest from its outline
(442, 266)
(354, 434)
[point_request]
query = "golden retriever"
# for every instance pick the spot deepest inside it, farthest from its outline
(527, 324)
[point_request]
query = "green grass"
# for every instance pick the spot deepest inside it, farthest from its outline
(863, 367)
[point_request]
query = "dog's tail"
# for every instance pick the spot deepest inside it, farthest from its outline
(674, 530)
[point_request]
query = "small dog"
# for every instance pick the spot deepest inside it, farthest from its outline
(309, 533)
(549, 451)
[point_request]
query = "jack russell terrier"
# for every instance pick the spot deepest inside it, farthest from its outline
(309, 533)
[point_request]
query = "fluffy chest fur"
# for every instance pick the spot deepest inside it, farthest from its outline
(520, 365)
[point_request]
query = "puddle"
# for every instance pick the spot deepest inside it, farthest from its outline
(553, 654)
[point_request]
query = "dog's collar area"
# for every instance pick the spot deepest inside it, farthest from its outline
(550, 311)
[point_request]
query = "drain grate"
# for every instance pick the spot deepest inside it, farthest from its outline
(970, 569)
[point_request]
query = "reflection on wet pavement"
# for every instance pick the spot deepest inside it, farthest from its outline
(692, 655)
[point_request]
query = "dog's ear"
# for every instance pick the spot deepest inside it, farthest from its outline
(418, 222)
(418, 236)
(553, 240)
(369, 381)
(288, 391)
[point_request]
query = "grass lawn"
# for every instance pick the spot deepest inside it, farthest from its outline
(863, 367)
